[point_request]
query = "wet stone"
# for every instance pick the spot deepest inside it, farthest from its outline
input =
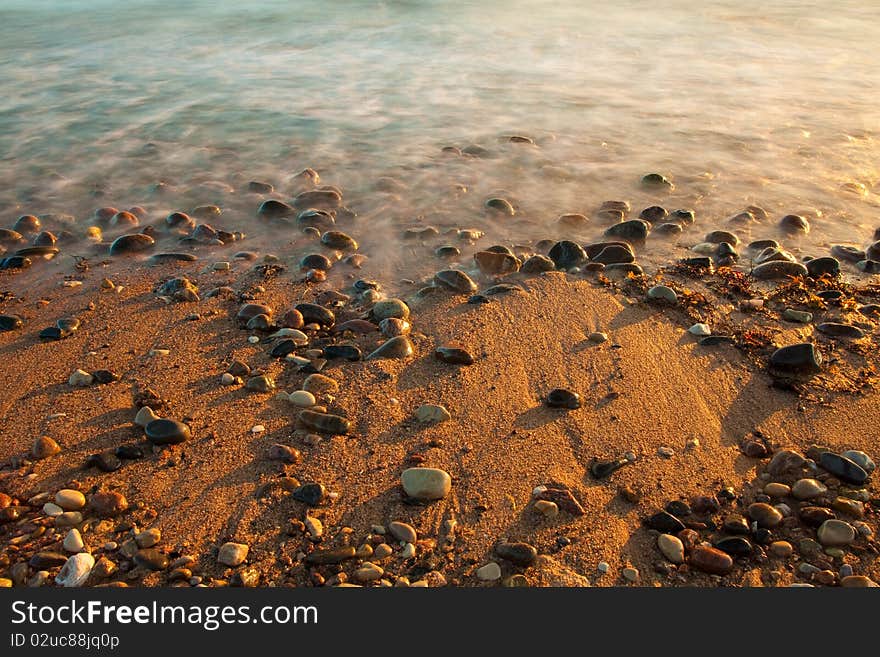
(736, 546)
(614, 254)
(537, 264)
(843, 468)
(634, 230)
(824, 266)
(455, 281)
(127, 244)
(806, 489)
(814, 516)
(710, 560)
(861, 459)
(397, 347)
(778, 269)
(167, 432)
(567, 254)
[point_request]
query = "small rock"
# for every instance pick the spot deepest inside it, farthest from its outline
(491, 572)
(521, 554)
(432, 414)
(425, 484)
(711, 560)
(671, 547)
(80, 378)
(76, 570)
(806, 489)
(44, 447)
(232, 554)
(73, 542)
(70, 500)
(402, 532)
(835, 533)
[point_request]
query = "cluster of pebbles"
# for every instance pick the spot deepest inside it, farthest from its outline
(807, 514)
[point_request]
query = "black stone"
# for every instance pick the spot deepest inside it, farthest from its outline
(10, 322)
(561, 398)
(44, 560)
(105, 376)
(315, 314)
(678, 508)
(614, 253)
(272, 209)
(842, 468)
(158, 258)
(796, 360)
(736, 546)
(537, 264)
(105, 461)
(167, 432)
(848, 253)
(823, 266)
(794, 223)
(736, 524)
(315, 261)
(130, 452)
(345, 351)
(453, 355)
(664, 522)
(447, 252)
(477, 299)
(813, 516)
(600, 469)
(52, 333)
(634, 230)
(283, 348)
(131, 244)
(311, 494)
(654, 214)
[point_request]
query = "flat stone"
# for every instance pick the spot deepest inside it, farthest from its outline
(167, 432)
(432, 414)
(47, 559)
(325, 422)
(426, 484)
(664, 522)
(784, 462)
(398, 347)
(232, 554)
(402, 532)
(835, 533)
(777, 490)
(491, 572)
(151, 559)
(521, 554)
(144, 416)
(330, 556)
(76, 570)
(843, 468)
(860, 459)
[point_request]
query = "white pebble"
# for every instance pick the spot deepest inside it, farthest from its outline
(603, 567)
(73, 542)
(700, 330)
(52, 510)
(253, 339)
(159, 352)
(227, 379)
(302, 398)
(80, 378)
(258, 428)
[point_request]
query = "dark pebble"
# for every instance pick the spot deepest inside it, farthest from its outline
(520, 554)
(135, 243)
(272, 209)
(600, 469)
(813, 516)
(325, 422)
(45, 560)
(151, 559)
(330, 557)
(311, 494)
(842, 468)
(538, 264)
(654, 214)
(823, 266)
(283, 348)
(10, 322)
(800, 360)
(130, 452)
(678, 508)
(158, 258)
(561, 398)
(664, 522)
(344, 351)
(634, 230)
(839, 330)
(315, 314)
(167, 432)
(737, 546)
(105, 461)
(453, 354)
(105, 376)
(794, 223)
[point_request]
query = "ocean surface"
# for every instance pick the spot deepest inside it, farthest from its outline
(738, 103)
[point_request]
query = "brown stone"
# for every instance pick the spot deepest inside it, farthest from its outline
(108, 503)
(710, 560)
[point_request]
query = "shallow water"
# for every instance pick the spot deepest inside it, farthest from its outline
(736, 102)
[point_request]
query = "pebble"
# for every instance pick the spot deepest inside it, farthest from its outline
(109, 503)
(135, 243)
(73, 541)
(318, 384)
(671, 547)
(80, 378)
(455, 281)
(736, 546)
(597, 337)
(665, 452)
(314, 526)
(858, 581)
(663, 293)
(302, 399)
(151, 559)
(840, 330)
(454, 354)
(325, 422)
(330, 556)
(799, 316)
(800, 360)
(567, 254)
(382, 551)
(861, 459)
(521, 554)
(806, 489)
(402, 532)
(665, 522)
(52, 510)
(398, 347)
(491, 572)
(145, 416)
(70, 500)
(814, 516)
(835, 533)
(778, 269)
(76, 570)
(843, 468)
(44, 447)
(167, 432)
(630, 574)
(562, 398)
(367, 573)
(711, 560)
(425, 484)
(781, 549)
(432, 414)
(232, 554)
(824, 266)
(261, 383)
(312, 494)
(777, 490)
(765, 515)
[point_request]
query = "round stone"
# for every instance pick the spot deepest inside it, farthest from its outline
(781, 549)
(73, 542)
(671, 547)
(390, 308)
(711, 560)
(109, 503)
(232, 554)
(777, 490)
(562, 398)
(764, 514)
(807, 489)
(167, 432)
(521, 554)
(662, 293)
(835, 533)
(302, 398)
(76, 570)
(426, 484)
(70, 500)
(44, 447)
(402, 532)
